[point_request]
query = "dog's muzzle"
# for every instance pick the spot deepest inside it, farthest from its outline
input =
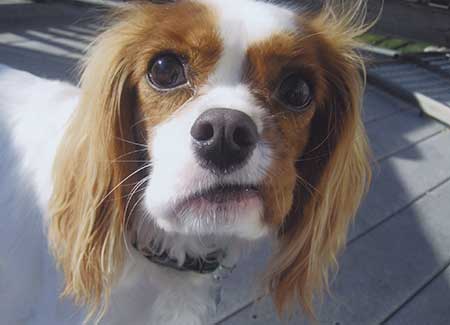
(223, 139)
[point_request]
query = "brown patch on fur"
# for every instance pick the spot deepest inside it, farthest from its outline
(97, 168)
(322, 169)
(321, 158)
(268, 62)
(189, 31)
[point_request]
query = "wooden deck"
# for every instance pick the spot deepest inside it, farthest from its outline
(396, 268)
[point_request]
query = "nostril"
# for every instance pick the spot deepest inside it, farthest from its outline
(242, 137)
(202, 131)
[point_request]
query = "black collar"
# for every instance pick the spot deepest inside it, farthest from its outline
(208, 264)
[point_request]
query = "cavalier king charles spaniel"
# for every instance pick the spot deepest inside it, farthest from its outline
(200, 126)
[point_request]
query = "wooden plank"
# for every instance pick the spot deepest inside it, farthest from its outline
(430, 306)
(41, 64)
(433, 108)
(402, 179)
(430, 24)
(400, 131)
(381, 270)
(25, 13)
(379, 105)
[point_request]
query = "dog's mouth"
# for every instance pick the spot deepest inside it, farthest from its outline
(221, 197)
(227, 193)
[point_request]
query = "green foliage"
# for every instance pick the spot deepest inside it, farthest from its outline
(401, 45)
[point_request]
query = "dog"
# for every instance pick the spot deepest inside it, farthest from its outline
(200, 127)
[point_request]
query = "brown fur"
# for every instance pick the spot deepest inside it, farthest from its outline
(321, 167)
(333, 169)
(97, 166)
(314, 186)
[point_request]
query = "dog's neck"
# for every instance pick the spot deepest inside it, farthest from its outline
(186, 252)
(203, 265)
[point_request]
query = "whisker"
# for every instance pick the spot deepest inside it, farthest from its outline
(121, 182)
(133, 191)
(130, 153)
(128, 218)
(140, 121)
(308, 185)
(131, 142)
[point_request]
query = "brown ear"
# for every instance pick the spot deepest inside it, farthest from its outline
(335, 163)
(87, 207)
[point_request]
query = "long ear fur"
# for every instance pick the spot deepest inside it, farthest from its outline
(335, 164)
(88, 204)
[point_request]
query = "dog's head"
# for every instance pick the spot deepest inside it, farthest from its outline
(214, 117)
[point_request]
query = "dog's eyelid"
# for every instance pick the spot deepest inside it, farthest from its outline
(165, 91)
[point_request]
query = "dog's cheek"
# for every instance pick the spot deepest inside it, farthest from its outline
(278, 199)
(288, 138)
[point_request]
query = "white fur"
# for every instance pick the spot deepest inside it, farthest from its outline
(33, 115)
(251, 21)
(176, 174)
(241, 25)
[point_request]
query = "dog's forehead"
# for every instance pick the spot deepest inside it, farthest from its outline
(222, 39)
(252, 21)
(242, 25)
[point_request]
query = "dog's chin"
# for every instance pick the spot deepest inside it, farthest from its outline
(223, 210)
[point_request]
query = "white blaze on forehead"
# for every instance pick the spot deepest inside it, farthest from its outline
(241, 24)
(257, 19)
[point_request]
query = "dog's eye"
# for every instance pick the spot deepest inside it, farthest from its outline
(166, 72)
(294, 92)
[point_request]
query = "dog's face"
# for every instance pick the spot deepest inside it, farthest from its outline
(248, 115)
(226, 92)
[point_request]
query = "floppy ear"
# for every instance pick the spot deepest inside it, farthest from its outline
(88, 203)
(336, 164)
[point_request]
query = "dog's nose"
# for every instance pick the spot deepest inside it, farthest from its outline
(223, 139)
